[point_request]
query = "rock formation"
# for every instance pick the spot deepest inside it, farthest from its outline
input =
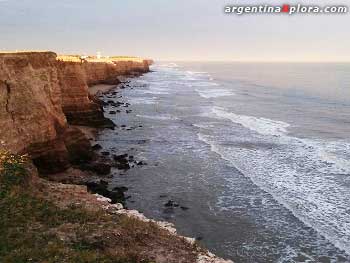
(41, 96)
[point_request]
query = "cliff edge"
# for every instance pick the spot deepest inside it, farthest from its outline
(42, 95)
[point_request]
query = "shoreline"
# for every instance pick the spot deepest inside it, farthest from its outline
(67, 168)
(205, 256)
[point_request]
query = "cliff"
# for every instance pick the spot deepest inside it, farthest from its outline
(31, 116)
(41, 96)
(77, 75)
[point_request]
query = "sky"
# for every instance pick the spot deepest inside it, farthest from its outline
(174, 30)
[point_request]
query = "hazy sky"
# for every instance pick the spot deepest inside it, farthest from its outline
(173, 30)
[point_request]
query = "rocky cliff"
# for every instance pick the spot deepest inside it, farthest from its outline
(40, 96)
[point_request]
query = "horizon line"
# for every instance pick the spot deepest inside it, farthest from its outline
(254, 61)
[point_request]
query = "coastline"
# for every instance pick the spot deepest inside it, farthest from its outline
(204, 256)
(61, 148)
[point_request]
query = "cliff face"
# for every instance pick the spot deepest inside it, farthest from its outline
(38, 94)
(75, 78)
(77, 105)
(31, 116)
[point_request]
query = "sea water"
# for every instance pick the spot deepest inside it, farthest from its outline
(258, 152)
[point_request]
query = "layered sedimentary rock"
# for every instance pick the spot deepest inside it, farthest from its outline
(108, 72)
(77, 75)
(31, 116)
(77, 105)
(39, 93)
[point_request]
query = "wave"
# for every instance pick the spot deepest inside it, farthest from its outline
(143, 100)
(159, 117)
(307, 176)
(214, 93)
(262, 126)
(203, 84)
(198, 73)
(169, 65)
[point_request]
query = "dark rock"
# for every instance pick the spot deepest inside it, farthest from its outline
(71, 147)
(122, 166)
(112, 112)
(123, 126)
(96, 147)
(163, 196)
(120, 188)
(88, 114)
(120, 157)
(171, 203)
(101, 188)
(105, 153)
(184, 208)
(78, 146)
(99, 168)
(121, 162)
(141, 163)
(49, 157)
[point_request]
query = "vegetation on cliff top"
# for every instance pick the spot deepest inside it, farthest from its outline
(26, 222)
(35, 229)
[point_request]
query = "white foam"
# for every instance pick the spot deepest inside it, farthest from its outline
(214, 93)
(203, 84)
(196, 72)
(260, 125)
(336, 155)
(169, 65)
(143, 100)
(306, 176)
(159, 117)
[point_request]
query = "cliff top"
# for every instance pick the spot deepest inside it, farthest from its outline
(77, 58)
(28, 52)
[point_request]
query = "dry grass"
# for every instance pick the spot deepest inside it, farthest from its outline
(76, 58)
(42, 222)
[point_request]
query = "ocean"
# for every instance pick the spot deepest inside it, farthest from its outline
(257, 155)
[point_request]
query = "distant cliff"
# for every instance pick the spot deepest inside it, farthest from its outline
(42, 94)
(42, 100)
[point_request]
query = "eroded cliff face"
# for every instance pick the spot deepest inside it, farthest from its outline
(41, 96)
(31, 116)
(75, 77)
(77, 104)
(108, 72)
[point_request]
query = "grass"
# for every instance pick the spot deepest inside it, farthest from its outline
(36, 226)
(33, 229)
